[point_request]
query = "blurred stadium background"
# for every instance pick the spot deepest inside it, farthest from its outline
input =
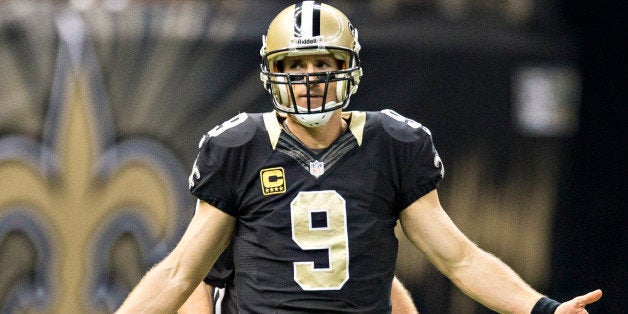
(102, 103)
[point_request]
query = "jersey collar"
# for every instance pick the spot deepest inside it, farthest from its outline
(356, 119)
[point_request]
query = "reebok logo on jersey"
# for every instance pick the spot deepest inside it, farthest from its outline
(273, 181)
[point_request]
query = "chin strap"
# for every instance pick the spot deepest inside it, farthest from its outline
(313, 120)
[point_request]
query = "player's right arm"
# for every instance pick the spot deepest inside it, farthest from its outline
(167, 285)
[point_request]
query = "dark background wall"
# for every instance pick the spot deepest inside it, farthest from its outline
(590, 239)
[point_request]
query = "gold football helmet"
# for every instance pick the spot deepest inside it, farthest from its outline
(310, 28)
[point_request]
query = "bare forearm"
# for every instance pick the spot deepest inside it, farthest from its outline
(199, 302)
(491, 282)
(160, 291)
(165, 287)
(479, 274)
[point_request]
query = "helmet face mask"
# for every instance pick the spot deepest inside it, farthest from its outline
(306, 29)
(282, 87)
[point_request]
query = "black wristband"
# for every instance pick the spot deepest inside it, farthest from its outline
(545, 305)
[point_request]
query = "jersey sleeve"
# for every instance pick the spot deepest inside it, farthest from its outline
(419, 168)
(424, 170)
(208, 181)
(214, 172)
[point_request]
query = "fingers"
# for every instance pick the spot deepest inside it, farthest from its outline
(588, 298)
(577, 304)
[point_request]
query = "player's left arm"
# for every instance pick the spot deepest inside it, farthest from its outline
(477, 273)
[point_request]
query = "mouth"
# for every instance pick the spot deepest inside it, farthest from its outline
(312, 97)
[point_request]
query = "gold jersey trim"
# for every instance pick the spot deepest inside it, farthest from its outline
(357, 121)
(273, 127)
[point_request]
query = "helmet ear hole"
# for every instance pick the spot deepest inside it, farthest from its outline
(341, 90)
(280, 91)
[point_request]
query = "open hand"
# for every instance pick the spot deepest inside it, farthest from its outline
(577, 304)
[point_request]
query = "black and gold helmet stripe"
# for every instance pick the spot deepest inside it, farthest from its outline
(307, 19)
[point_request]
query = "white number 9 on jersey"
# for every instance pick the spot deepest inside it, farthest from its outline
(331, 235)
(227, 125)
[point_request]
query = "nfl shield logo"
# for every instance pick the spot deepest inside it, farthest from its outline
(317, 168)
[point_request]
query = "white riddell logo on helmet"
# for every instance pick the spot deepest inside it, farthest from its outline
(295, 41)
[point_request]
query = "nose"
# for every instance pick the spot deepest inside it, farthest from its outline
(312, 69)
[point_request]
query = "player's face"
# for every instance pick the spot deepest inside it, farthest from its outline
(312, 64)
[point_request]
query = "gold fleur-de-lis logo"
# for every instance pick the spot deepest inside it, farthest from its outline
(70, 198)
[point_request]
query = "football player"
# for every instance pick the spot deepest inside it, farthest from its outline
(311, 194)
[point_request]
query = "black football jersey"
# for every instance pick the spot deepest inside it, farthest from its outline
(315, 230)
(222, 272)
(221, 277)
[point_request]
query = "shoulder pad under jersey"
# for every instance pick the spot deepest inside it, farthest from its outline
(233, 132)
(402, 128)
